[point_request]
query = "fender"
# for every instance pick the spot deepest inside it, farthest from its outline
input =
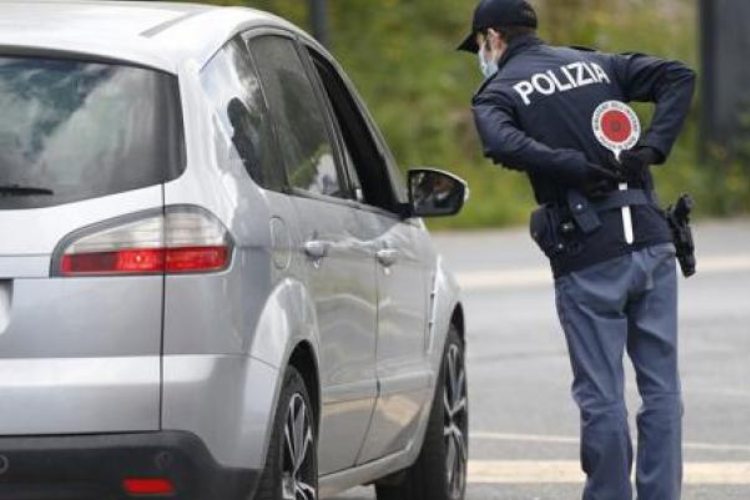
(229, 400)
(445, 299)
(288, 320)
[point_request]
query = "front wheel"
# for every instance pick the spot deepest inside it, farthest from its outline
(291, 471)
(441, 470)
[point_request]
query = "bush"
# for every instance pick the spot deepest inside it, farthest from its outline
(401, 55)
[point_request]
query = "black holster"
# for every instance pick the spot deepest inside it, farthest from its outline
(678, 216)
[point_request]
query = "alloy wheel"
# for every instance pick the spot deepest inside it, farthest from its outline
(456, 421)
(298, 471)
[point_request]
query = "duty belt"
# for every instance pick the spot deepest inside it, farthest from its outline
(586, 212)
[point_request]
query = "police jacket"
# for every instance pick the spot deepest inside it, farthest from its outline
(535, 115)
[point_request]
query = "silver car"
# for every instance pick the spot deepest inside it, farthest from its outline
(214, 283)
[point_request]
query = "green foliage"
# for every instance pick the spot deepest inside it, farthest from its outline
(728, 189)
(401, 55)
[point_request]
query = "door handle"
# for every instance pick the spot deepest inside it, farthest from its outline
(387, 257)
(317, 250)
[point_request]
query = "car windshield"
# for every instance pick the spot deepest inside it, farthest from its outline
(73, 130)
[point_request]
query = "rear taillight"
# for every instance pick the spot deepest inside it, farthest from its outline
(136, 486)
(180, 240)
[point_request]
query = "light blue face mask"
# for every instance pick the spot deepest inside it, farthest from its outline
(487, 65)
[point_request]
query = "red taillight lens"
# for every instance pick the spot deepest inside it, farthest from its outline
(123, 261)
(146, 261)
(182, 240)
(192, 259)
(148, 486)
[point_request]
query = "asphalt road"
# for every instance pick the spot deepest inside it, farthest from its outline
(524, 424)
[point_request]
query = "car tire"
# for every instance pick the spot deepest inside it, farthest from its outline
(441, 470)
(291, 471)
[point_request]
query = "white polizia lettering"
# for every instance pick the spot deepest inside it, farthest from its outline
(564, 79)
(525, 89)
(543, 84)
(600, 73)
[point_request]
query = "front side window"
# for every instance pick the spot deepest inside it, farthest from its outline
(300, 123)
(73, 130)
(233, 86)
(360, 148)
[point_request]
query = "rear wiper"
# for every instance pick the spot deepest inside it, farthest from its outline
(16, 190)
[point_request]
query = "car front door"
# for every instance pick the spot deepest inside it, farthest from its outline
(340, 271)
(401, 253)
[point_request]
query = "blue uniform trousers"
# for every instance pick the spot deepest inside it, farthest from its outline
(626, 303)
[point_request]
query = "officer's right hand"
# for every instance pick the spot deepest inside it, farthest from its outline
(590, 178)
(600, 181)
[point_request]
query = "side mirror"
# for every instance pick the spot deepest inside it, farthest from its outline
(435, 193)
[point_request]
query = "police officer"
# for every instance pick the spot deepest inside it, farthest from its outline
(534, 114)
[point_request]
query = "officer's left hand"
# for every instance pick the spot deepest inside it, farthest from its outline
(634, 164)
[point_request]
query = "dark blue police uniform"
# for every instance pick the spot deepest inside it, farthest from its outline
(535, 115)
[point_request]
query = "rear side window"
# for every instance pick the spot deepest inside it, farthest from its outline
(233, 86)
(301, 125)
(73, 130)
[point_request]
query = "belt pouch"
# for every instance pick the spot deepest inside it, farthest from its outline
(583, 212)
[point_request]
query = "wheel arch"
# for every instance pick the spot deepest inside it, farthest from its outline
(303, 359)
(447, 309)
(458, 320)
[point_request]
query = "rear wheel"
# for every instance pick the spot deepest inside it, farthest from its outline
(441, 469)
(291, 471)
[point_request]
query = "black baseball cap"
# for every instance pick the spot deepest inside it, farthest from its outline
(494, 13)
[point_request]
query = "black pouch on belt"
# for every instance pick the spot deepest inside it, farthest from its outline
(583, 212)
(545, 230)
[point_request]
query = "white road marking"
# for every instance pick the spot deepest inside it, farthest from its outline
(494, 279)
(727, 264)
(497, 280)
(536, 438)
(528, 438)
(569, 471)
(524, 472)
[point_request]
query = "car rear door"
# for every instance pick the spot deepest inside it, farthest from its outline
(79, 354)
(340, 268)
(401, 253)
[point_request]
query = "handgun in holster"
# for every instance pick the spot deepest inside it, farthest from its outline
(678, 216)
